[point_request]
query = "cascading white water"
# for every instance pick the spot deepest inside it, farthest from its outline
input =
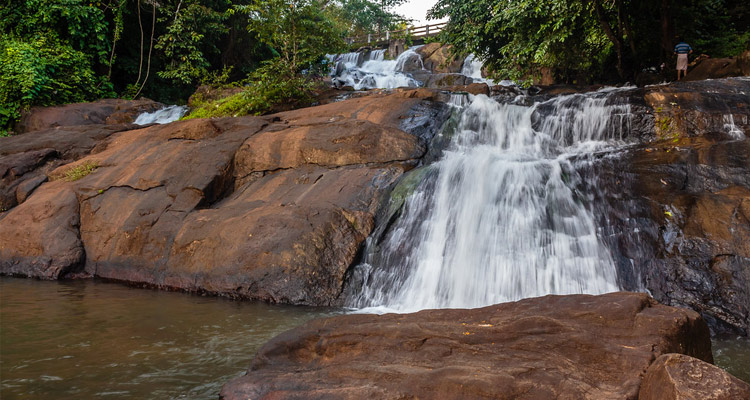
(731, 128)
(472, 68)
(498, 218)
(376, 71)
(162, 116)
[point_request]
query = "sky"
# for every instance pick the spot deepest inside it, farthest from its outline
(417, 10)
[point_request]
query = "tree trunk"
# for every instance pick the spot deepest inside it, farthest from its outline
(610, 34)
(667, 32)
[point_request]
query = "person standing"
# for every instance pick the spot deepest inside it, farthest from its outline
(682, 50)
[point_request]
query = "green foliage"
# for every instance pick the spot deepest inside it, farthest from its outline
(78, 172)
(44, 72)
(361, 17)
(588, 39)
(271, 86)
(191, 34)
(300, 32)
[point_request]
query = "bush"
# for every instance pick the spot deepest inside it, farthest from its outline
(269, 87)
(44, 72)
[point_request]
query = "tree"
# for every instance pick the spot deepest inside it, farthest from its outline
(588, 38)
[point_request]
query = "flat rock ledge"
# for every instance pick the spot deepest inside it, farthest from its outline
(552, 347)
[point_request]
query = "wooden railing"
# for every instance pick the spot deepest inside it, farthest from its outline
(411, 32)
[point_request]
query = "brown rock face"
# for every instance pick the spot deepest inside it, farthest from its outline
(107, 111)
(714, 68)
(438, 60)
(680, 377)
(271, 208)
(582, 347)
(676, 204)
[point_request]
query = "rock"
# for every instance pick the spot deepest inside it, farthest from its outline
(680, 219)
(680, 377)
(578, 346)
(743, 61)
(410, 63)
(438, 60)
(440, 81)
(714, 68)
(107, 111)
(25, 160)
(272, 208)
(473, 88)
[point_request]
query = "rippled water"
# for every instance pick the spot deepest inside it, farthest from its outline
(732, 353)
(88, 340)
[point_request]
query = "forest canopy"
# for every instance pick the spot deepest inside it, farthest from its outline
(585, 40)
(62, 51)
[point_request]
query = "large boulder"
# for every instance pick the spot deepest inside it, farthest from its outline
(107, 111)
(437, 59)
(714, 68)
(681, 377)
(578, 346)
(272, 208)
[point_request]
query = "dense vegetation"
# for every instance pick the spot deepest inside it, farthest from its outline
(590, 40)
(62, 51)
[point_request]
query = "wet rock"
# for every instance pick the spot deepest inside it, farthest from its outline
(437, 59)
(472, 88)
(107, 111)
(679, 225)
(441, 81)
(272, 208)
(680, 377)
(410, 63)
(549, 347)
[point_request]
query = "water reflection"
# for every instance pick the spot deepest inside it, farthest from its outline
(732, 353)
(74, 340)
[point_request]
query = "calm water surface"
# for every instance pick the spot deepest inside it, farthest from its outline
(88, 340)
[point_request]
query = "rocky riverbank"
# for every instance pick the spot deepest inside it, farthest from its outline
(276, 208)
(269, 208)
(584, 347)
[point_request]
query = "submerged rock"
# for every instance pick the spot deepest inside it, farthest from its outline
(272, 208)
(578, 346)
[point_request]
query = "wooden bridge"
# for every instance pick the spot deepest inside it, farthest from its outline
(375, 39)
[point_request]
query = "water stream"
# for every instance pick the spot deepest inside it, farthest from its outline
(498, 218)
(163, 116)
(375, 71)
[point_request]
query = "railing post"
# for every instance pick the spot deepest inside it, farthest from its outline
(427, 31)
(369, 37)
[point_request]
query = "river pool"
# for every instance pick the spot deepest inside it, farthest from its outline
(89, 340)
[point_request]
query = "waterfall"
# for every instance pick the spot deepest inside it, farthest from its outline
(162, 116)
(498, 218)
(472, 68)
(376, 71)
(732, 129)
